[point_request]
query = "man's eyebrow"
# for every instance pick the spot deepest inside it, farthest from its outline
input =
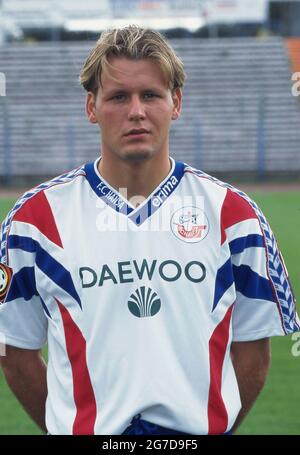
(115, 92)
(122, 90)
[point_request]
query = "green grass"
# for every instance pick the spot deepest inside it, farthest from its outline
(277, 410)
(5, 206)
(13, 419)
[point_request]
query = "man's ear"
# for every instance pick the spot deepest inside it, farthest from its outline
(177, 100)
(90, 107)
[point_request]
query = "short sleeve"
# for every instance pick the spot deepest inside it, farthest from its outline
(265, 304)
(23, 322)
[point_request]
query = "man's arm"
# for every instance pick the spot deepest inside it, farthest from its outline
(25, 373)
(251, 361)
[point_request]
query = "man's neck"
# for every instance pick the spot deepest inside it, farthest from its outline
(135, 180)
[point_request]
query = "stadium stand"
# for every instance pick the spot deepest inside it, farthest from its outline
(238, 114)
(31, 13)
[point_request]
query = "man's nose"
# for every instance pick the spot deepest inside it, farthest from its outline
(136, 109)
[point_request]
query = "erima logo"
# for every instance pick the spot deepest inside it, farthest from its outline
(164, 191)
(144, 303)
(131, 271)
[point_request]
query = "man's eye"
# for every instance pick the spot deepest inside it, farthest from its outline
(149, 95)
(119, 97)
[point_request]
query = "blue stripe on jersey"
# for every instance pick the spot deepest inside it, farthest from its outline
(106, 192)
(238, 245)
(57, 273)
(52, 268)
(160, 196)
(276, 271)
(22, 243)
(3, 258)
(45, 308)
(22, 285)
(65, 178)
(114, 200)
(224, 280)
(252, 285)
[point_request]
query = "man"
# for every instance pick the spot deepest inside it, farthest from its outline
(156, 286)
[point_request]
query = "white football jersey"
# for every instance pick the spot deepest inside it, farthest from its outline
(139, 306)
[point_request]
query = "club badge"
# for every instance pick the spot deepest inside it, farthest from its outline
(190, 224)
(5, 280)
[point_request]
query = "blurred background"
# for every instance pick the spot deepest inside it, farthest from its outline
(239, 115)
(240, 122)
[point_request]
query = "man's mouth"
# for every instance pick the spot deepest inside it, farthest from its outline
(137, 132)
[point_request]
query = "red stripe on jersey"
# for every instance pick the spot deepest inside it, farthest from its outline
(86, 409)
(234, 210)
(217, 413)
(37, 211)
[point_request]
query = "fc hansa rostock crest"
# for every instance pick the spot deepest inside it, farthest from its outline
(5, 279)
(190, 224)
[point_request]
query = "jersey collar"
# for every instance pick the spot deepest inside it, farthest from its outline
(118, 203)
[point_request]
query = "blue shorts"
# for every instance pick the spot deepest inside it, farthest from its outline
(140, 426)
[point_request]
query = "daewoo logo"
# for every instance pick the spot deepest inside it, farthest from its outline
(133, 271)
(144, 302)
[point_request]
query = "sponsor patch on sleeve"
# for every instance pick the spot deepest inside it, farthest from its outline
(5, 280)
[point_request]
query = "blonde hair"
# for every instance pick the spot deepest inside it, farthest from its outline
(136, 43)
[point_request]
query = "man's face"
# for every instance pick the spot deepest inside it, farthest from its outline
(134, 110)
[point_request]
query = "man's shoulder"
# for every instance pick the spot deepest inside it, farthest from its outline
(31, 197)
(232, 193)
(203, 178)
(34, 203)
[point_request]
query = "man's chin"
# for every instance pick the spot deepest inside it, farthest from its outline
(137, 155)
